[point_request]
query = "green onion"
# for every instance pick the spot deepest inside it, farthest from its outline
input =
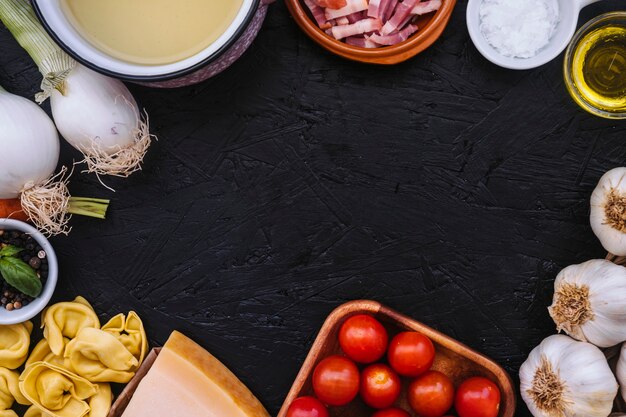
(91, 207)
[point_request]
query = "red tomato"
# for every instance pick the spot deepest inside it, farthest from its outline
(391, 412)
(363, 338)
(380, 386)
(477, 397)
(336, 380)
(307, 407)
(431, 394)
(411, 354)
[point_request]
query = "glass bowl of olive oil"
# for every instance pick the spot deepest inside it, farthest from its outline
(595, 66)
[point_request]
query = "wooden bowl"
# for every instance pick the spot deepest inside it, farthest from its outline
(453, 359)
(431, 27)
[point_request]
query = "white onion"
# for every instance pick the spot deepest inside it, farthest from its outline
(95, 110)
(30, 145)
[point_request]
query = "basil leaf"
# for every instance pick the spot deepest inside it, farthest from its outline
(20, 275)
(10, 250)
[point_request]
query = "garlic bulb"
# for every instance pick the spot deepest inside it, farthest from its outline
(608, 211)
(620, 371)
(589, 302)
(566, 378)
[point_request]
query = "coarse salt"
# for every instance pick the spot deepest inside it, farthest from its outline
(519, 28)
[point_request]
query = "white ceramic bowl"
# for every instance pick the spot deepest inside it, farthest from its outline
(61, 29)
(568, 19)
(38, 304)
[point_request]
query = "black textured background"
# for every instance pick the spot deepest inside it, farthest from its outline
(445, 187)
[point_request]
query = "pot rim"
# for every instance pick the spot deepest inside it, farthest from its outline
(150, 78)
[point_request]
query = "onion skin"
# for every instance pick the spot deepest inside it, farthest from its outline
(12, 208)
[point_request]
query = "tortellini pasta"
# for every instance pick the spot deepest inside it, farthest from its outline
(42, 353)
(100, 404)
(56, 391)
(10, 391)
(129, 330)
(68, 372)
(100, 357)
(63, 321)
(33, 411)
(14, 343)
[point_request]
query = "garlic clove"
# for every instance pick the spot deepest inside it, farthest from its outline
(608, 211)
(620, 371)
(566, 378)
(589, 302)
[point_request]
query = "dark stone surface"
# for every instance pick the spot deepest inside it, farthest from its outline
(445, 187)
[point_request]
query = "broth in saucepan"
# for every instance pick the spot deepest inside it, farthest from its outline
(151, 32)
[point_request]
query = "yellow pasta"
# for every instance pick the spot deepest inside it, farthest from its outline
(34, 411)
(100, 403)
(14, 343)
(129, 330)
(63, 321)
(10, 391)
(100, 357)
(42, 353)
(56, 391)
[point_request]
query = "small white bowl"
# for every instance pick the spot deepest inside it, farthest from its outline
(38, 304)
(568, 19)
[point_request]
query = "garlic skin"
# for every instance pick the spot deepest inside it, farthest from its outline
(566, 378)
(620, 372)
(589, 302)
(608, 211)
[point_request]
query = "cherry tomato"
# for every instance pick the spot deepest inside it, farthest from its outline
(307, 407)
(391, 412)
(411, 354)
(431, 394)
(336, 380)
(477, 397)
(380, 386)
(363, 338)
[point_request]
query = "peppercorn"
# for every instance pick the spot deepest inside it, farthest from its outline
(34, 262)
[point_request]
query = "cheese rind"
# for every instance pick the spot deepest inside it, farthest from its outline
(187, 380)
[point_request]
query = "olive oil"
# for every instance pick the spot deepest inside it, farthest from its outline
(599, 68)
(151, 32)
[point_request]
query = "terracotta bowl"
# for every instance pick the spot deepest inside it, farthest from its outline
(431, 27)
(453, 359)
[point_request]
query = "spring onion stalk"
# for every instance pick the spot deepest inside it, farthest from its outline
(29, 157)
(96, 114)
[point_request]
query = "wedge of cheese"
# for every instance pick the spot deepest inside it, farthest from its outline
(186, 380)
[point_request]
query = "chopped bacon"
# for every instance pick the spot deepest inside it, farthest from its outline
(426, 7)
(358, 28)
(373, 10)
(353, 6)
(331, 4)
(403, 10)
(370, 23)
(361, 42)
(318, 14)
(355, 17)
(391, 7)
(395, 37)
